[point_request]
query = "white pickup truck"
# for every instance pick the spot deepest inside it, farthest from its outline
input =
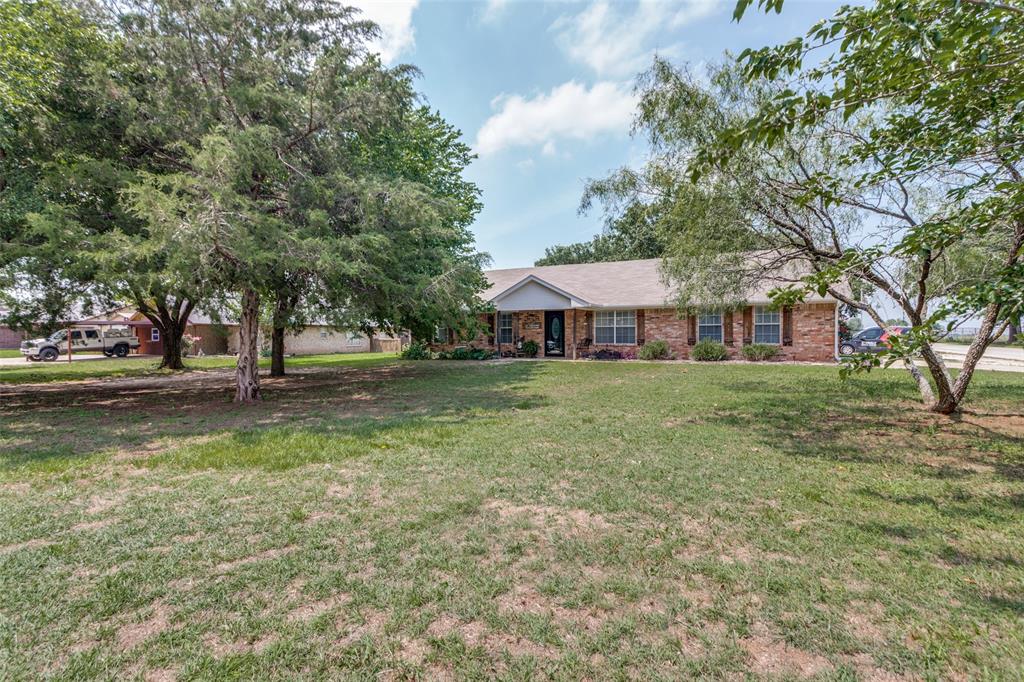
(110, 341)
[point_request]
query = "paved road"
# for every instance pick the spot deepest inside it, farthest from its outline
(1002, 358)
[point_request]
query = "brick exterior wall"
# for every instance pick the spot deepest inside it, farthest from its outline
(10, 338)
(813, 332)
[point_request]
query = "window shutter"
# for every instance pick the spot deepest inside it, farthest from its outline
(692, 331)
(748, 326)
(787, 326)
(727, 328)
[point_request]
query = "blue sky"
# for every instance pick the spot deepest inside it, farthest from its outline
(542, 90)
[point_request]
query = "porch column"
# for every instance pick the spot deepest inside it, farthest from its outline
(497, 333)
(573, 333)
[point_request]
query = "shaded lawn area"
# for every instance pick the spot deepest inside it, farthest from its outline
(10, 353)
(381, 518)
(83, 370)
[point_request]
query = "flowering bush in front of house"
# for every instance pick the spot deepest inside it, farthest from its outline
(189, 343)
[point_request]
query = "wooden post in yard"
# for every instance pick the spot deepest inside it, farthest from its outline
(497, 333)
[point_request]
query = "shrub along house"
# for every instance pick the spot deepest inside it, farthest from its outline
(575, 310)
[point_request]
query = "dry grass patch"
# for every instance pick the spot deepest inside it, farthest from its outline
(266, 555)
(157, 621)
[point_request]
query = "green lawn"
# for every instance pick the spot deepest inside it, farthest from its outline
(375, 518)
(80, 370)
(10, 353)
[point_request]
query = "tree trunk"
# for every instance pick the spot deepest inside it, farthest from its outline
(247, 372)
(1014, 332)
(171, 334)
(951, 403)
(277, 352)
(927, 394)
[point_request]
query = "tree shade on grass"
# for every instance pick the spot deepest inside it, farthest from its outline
(566, 520)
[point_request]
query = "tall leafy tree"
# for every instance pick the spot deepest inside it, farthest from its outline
(269, 197)
(631, 233)
(418, 152)
(48, 57)
(766, 211)
(940, 83)
(71, 113)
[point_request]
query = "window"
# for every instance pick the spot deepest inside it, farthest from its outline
(615, 327)
(709, 326)
(767, 325)
(323, 333)
(355, 339)
(92, 334)
(76, 336)
(154, 334)
(505, 328)
(870, 334)
(441, 335)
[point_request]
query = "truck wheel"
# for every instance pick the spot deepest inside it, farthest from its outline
(48, 354)
(846, 349)
(120, 350)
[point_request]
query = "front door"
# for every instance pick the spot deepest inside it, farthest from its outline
(554, 333)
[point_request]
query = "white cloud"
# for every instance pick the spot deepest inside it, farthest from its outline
(569, 111)
(395, 20)
(492, 11)
(614, 41)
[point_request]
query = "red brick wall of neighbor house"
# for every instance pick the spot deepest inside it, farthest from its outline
(10, 338)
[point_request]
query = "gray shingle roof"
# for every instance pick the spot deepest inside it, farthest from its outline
(632, 283)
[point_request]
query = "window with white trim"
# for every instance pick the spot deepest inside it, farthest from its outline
(505, 328)
(709, 326)
(767, 325)
(615, 327)
(441, 334)
(154, 334)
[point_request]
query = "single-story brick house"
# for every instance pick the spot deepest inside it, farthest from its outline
(572, 309)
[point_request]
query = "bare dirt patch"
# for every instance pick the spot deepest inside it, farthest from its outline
(28, 544)
(226, 566)
(769, 656)
(92, 525)
(221, 648)
(548, 517)
(131, 635)
(369, 623)
(863, 619)
(311, 610)
(98, 505)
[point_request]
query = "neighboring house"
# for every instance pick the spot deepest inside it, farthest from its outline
(9, 338)
(212, 335)
(220, 337)
(321, 338)
(572, 309)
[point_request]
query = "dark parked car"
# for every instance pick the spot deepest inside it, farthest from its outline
(870, 340)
